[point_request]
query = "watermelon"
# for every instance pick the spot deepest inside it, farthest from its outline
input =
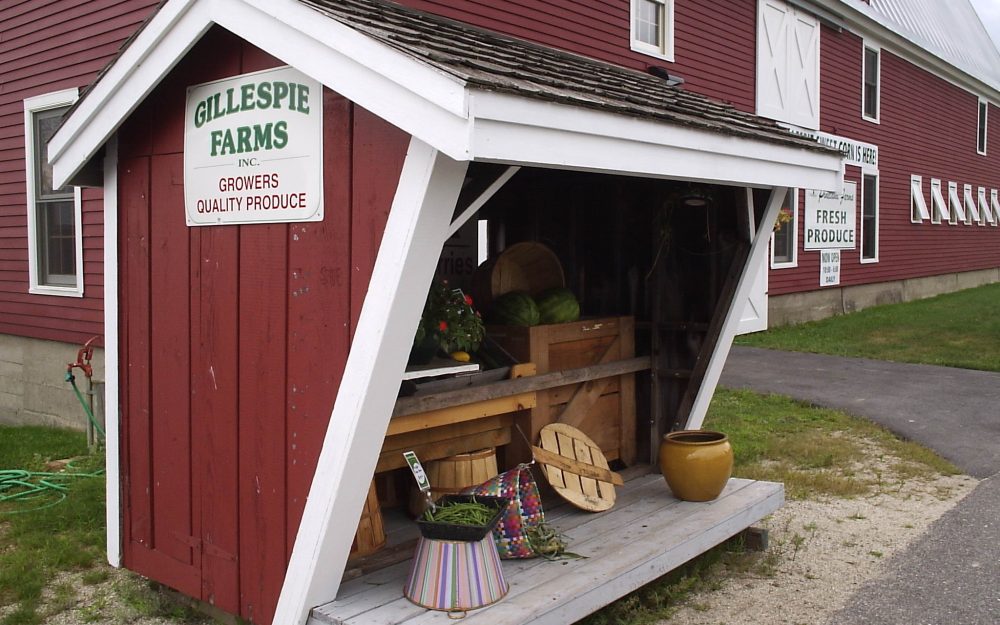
(557, 305)
(516, 308)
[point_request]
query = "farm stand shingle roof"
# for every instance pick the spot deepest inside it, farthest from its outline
(492, 62)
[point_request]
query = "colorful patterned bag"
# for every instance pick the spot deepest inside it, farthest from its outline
(524, 510)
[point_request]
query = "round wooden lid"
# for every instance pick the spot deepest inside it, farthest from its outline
(581, 476)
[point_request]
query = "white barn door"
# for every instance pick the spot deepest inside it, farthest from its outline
(754, 318)
(787, 64)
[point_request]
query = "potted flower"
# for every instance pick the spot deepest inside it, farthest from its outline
(449, 323)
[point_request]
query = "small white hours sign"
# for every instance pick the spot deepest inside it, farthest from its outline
(253, 149)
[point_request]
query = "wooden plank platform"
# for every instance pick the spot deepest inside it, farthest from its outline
(647, 534)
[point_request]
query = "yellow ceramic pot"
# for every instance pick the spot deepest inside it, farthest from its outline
(696, 463)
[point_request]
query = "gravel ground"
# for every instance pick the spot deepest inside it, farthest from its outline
(822, 552)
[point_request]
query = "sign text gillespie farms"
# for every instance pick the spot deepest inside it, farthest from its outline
(253, 150)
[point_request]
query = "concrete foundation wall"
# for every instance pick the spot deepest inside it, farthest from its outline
(33, 386)
(814, 305)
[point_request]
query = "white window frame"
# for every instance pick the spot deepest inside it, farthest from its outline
(795, 236)
(917, 195)
(996, 206)
(878, 80)
(982, 125)
(984, 208)
(32, 105)
(939, 208)
(971, 209)
(666, 50)
(861, 248)
(958, 213)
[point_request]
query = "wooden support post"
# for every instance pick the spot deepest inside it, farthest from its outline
(754, 538)
(414, 235)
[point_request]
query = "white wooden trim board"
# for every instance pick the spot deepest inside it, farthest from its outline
(112, 450)
(647, 533)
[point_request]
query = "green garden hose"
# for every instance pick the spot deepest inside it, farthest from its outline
(29, 487)
(86, 408)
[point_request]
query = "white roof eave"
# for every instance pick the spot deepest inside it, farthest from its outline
(427, 103)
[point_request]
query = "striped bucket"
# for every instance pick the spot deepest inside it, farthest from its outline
(455, 576)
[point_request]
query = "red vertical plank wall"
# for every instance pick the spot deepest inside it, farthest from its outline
(235, 339)
(51, 46)
(714, 42)
(927, 126)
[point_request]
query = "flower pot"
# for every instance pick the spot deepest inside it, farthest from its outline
(696, 463)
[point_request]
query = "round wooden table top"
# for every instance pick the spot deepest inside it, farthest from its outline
(582, 458)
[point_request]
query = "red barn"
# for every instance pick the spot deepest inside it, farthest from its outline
(280, 181)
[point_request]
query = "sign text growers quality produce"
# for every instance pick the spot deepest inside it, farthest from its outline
(253, 149)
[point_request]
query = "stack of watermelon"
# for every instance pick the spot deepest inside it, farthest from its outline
(518, 308)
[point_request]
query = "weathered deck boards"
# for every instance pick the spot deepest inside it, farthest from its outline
(645, 535)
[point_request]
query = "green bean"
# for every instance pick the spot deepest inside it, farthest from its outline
(460, 513)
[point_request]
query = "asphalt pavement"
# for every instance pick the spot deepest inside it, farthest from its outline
(950, 575)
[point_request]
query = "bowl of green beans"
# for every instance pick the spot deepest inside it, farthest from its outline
(462, 517)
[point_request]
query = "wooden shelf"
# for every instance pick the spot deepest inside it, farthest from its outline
(439, 366)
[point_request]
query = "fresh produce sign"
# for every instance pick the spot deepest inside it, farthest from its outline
(253, 149)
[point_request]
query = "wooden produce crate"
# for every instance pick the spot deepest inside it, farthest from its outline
(603, 409)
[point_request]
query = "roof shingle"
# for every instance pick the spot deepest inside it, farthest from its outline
(493, 62)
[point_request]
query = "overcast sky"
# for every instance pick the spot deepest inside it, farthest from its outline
(989, 12)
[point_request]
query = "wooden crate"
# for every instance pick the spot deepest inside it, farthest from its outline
(603, 409)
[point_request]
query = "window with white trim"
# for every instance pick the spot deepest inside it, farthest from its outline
(55, 240)
(939, 209)
(869, 218)
(653, 28)
(984, 208)
(995, 205)
(971, 209)
(958, 214)
(870, 83)
(784, 238)
(981, 129)
(787, 64)
(918, 206)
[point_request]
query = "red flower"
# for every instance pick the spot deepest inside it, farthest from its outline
(443, 326)
(468, 300)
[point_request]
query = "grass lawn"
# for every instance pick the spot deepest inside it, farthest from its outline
(42, 535)
(959, 329)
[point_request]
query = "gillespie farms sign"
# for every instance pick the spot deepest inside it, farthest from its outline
(253, 149)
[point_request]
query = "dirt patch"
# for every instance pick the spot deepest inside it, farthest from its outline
(106, 595)
(821, 552)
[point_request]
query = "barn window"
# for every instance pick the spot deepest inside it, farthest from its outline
(981, 134)
(918, 206)
(869, 218)
(955, 207)
(55, 243)
(786, 233)
(995, 206)
(653, 28)
(940, 208)
(787, 64)
(870, 87)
